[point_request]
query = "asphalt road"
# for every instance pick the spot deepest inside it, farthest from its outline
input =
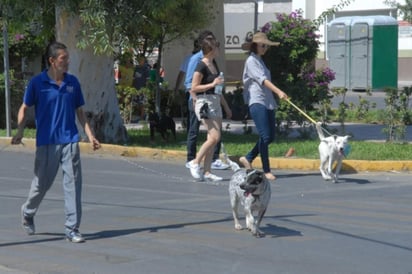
(147, 216)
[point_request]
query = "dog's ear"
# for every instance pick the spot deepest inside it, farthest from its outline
(259, 176)
(255, 177)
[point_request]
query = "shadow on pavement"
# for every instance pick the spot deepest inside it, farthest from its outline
(37, 238)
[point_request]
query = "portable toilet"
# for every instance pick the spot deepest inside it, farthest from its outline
(374, 53)
(338, 50)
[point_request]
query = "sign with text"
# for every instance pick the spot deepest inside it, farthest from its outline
(237, 25)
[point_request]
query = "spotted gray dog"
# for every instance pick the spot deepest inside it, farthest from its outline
(251, 189)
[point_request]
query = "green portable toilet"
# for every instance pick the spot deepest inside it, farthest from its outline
(374, 53)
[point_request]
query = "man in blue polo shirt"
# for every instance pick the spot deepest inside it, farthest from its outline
(194, 123)
(57, 98)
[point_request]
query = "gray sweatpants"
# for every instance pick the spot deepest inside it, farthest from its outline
(47, 162)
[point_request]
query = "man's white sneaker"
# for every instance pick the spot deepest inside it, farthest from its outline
(187, 165)
(218, 164)
(212, 177)
(195, 170)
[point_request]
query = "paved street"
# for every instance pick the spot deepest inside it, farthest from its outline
(147, 216)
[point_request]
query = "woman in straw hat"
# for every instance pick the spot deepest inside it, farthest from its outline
(258, 90)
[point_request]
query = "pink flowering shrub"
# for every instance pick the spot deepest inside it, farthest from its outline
(292, 62)
(317, 82)
(25, 45)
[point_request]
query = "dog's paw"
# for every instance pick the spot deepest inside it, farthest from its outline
(259, 234)
(327, 177)
(250, 227)
(238, 227)
(335, 178)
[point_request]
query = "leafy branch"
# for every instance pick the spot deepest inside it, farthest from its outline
(323, 17)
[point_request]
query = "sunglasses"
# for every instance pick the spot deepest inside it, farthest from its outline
(263, 46)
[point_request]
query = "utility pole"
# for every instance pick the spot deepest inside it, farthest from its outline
(6, 77)
(258, 9)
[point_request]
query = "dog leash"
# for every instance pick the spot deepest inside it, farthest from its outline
(347, 148)
(306, 115)
(301, 111)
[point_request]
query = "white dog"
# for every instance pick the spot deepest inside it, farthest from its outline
(251, 189)
(331, 149)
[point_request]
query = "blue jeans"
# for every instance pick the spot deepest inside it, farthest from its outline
(265, 124)
(193, 132)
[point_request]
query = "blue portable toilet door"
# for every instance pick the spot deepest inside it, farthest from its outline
(359, 72)
(337, 53)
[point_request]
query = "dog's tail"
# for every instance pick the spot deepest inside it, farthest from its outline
(320, 130)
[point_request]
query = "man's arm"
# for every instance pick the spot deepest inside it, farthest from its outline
(87, 129)
(180, 78)
(21, 122)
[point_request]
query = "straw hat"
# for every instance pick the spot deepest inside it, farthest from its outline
(258, 37)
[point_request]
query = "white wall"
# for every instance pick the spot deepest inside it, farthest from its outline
(240, 19)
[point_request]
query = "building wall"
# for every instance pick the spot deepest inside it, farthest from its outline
(175, 52)
(241, 18)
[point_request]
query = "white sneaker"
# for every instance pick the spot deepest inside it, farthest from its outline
(212, 177)
(187, 165)
(194, 170)
(218, 164)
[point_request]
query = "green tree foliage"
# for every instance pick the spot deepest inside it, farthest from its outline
(142, 25)
(16, 89)
(404, 10)
(30, 25)
(108, 24)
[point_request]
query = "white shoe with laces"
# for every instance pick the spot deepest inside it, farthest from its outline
(212, 177)
(218, 164)
(195, 170)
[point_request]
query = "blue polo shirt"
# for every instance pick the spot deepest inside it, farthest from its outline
(55, 108)
(191, 67)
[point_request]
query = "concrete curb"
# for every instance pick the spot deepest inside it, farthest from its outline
(276, 163)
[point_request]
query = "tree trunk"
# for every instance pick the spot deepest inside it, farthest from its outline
(95, 74)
